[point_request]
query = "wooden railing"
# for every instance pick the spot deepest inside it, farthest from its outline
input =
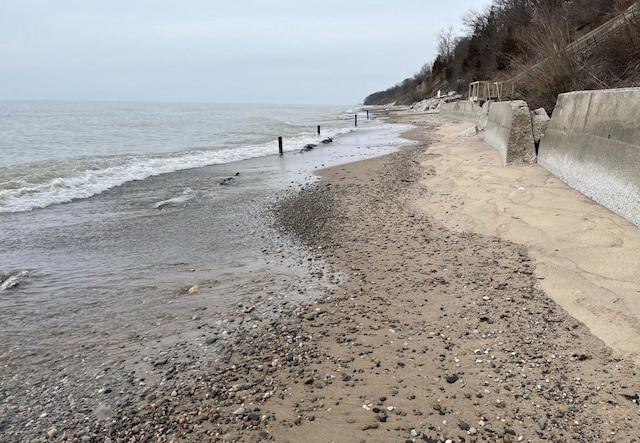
(481, 91)
(585, 44)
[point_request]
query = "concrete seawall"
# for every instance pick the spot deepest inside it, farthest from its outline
(509, 130)
(593, 144)
(507, 124)
(463, 110)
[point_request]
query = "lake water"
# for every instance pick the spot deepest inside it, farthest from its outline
(110, 212)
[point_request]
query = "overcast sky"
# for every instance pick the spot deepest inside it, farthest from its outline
(236, 51)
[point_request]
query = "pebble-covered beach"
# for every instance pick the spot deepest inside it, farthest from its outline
(423, 334)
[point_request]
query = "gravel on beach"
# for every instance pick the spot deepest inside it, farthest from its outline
(423, 335)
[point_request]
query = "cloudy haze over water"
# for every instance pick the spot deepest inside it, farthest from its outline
(242, 51)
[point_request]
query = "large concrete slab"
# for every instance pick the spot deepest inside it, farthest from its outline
(462, 110)
(593, 144)
(509, 130)
(540, 123)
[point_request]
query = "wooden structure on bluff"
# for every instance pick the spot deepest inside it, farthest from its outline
(484, 91)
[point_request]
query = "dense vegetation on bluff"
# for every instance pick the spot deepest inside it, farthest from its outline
(532, 42)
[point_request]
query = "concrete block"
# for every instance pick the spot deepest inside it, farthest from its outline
(469, 132)
(484, 114)
(509, 130)
(463, 110)
(593, 144)
(540, 123)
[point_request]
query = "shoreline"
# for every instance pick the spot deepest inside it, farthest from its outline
(438, 333)
(60, 377)
(170, 212)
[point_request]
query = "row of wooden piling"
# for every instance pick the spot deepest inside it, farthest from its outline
(355, 122)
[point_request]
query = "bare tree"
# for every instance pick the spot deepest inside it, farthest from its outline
(446, 43)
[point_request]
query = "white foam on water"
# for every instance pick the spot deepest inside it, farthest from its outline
(12, 280)
(84, 178)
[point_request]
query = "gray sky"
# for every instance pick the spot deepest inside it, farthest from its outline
(236, 51)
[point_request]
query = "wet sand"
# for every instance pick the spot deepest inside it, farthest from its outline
(443, 328)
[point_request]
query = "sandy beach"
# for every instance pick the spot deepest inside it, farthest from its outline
(471, 303)
(460, 306)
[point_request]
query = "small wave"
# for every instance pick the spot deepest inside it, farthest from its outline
(8, 281)
(86, 179)
(46, 184)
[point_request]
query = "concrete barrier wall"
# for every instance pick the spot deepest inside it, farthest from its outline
(508, 129)
(462, 110)
(593, 144)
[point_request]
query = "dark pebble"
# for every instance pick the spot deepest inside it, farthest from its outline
(452, 378)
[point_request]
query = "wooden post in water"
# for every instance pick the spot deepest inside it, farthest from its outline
(280, 145)
(318, 129)
(356, 120)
